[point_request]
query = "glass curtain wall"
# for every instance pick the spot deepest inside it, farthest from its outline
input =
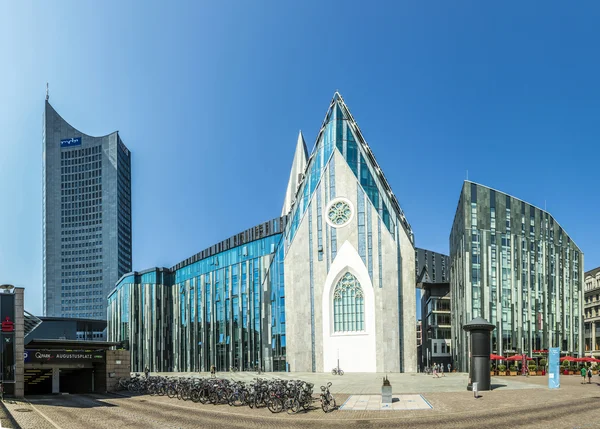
(205, 313)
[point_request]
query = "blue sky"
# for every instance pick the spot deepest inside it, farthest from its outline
(209, 97)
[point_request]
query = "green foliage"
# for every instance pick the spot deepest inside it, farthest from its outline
(566, 364)
(542, 362)
(502, 368)
(513, 368)
(532, 367)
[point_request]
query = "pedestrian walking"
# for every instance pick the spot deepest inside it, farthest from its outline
(213, 371)
(146, 371)
(589, 374)
(449, 367)
(442, 370)
(583, 374)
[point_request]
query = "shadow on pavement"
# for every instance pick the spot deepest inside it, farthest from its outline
(75, 400)
(497, 386)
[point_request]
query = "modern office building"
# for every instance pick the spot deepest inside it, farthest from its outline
(86, 218)
(591, 317)
(436, 335)
(332, 278)
(433, 277)
(514, 265)
(436, 266)
(211, 309)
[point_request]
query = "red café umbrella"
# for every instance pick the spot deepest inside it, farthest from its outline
(568, 358)
(588, 359)
(518, 357)
(496, 357)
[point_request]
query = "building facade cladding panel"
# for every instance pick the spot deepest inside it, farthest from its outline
(247, 301)
(514, 265)
(591, 315)
(86, 218)
(224, 310)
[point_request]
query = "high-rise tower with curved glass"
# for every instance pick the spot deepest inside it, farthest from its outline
(86, 217)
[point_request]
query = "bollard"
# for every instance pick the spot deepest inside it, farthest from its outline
(475, 393)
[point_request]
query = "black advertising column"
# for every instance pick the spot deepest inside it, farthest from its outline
(479, 365)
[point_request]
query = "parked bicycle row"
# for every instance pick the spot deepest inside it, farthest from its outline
(275, 394)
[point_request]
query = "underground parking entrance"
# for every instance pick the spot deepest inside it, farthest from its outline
(71, 366)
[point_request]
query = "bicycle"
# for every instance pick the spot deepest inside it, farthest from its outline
(233, 369)
(337, 371)
(327, 400)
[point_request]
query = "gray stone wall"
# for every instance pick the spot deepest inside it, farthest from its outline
(117, 366)
(19, 342)
(395, 312)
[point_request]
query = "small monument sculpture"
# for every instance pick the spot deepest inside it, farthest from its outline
(386, 391)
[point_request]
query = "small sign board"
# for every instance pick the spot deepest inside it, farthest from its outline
(74, 141)
(554, 368)
(63, 356)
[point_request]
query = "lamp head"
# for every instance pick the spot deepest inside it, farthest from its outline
(6, 288)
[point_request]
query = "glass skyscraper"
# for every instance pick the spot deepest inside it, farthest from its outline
(514, 265)
(86, 218)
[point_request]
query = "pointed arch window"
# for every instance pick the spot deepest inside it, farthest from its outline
(348, 305)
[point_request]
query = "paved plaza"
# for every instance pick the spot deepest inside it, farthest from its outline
(374, 403)
(370, 383)
(514, 402)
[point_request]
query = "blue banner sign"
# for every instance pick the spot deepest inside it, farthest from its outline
(74, 141)
(554, 368)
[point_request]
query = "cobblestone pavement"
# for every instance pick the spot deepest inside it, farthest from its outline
(572, 406)
(6, 420)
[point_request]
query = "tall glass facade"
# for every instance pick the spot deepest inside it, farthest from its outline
(514, 265)
(222, 307)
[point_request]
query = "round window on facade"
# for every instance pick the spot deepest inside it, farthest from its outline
(339, 212)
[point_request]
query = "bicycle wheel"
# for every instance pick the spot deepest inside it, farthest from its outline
(171, 392)
(331, 401)
(307, 404)
(333, 372)
(341, 372)
(324, 404)
(294, 406)
(275, 405)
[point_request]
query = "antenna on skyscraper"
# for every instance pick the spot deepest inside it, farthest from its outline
(467, 174)
(47, 92)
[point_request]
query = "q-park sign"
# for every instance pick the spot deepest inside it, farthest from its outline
(63, 356)
(73, 141)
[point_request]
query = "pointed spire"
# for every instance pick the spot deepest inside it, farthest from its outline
(296, 173)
